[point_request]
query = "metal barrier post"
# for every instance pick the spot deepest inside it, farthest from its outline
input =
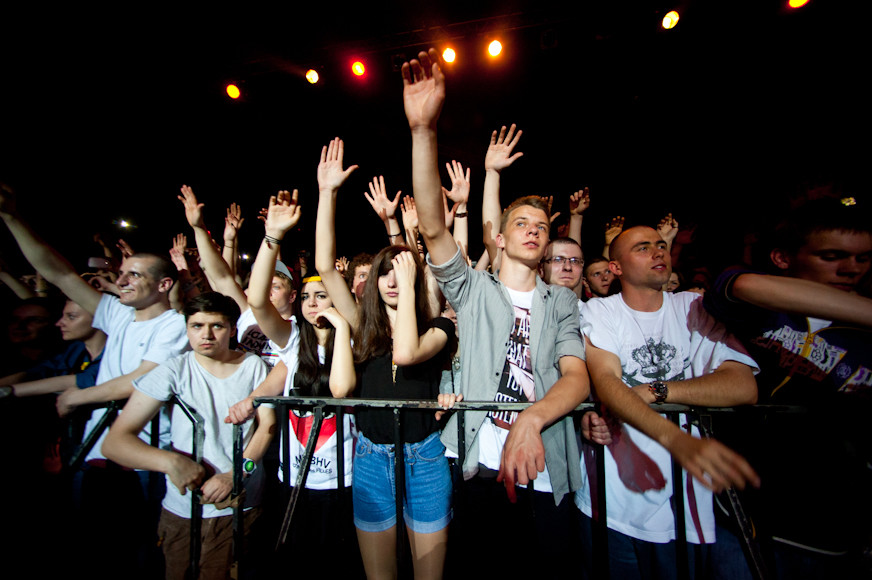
(91, 438)
(678, 511)
(196, 495)
(238, 505)
(750, 545)
(303, 473)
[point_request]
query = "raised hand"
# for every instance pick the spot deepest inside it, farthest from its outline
(448, 213)
(282, 214)
(410, 213)
(233, 222)
(405, 270)
(341, 264)
(124, 248)
(331, 176)
(423, 90)
(613, 228)
(459, 192)
(499, 152)
(193, 210)
(177, 252)
(668, 228)
(579, 201)
(384, 206)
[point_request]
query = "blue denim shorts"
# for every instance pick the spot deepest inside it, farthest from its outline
(427, 501)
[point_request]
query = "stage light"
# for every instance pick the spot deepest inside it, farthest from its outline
(495, 48)
(357, 68)
(312, 76)
(448, 55)
(233, 91)
(797, 3)
(670, 20)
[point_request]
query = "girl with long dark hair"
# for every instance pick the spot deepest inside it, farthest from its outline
(399, 350)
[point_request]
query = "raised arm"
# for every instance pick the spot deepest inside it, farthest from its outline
(44, 259)
(668, 229)
(232, 223)
(385, 208)
(331, 176)
(500, 154)
(613, 228)
(578, 204)
(423, 97)
(409, 347)
(459, 194)
(710, 462)
(219, 272)
(282, 215)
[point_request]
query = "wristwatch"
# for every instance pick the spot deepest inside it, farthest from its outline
(659, 390)
(248, 467)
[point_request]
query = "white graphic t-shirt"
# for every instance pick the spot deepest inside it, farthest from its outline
(516, 386)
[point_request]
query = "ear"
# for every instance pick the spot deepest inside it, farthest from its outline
(165, 284)
(501, 242)
(615, 268)
(780, 258)
(293, 296)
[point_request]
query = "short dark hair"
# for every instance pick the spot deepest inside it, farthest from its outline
(361, 259)
(820, 215)
(161, 267)
(212, 302)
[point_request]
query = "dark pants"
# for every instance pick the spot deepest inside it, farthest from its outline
(492, 537)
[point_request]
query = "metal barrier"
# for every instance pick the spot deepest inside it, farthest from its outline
(701, 417)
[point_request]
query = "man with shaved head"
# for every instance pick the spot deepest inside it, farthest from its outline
(647, 346)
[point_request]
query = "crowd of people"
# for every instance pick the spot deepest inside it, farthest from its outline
(536, 318)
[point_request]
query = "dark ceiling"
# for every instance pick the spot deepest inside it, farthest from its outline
(106, 113)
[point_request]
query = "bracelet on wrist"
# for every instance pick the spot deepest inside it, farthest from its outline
(271, 240)
(461, 214)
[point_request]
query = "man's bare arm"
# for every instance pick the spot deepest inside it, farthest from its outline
(710, 462)
(45, 259)
(112, 390)
(423, 97)
(124, 446)
(802, 297)
(523, 453)
(221, 277)
(730, 385)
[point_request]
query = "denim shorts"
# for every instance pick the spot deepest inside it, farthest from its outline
(427, 501)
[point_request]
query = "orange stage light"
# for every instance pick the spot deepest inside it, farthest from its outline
(233, 91)
(357, 68)
(448, 55)
(495, 48)
(312, 76)
(670, 20)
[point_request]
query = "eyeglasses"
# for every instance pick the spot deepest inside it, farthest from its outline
(560, 260)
